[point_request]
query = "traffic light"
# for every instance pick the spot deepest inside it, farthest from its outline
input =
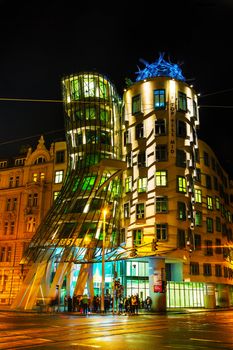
(154, 245)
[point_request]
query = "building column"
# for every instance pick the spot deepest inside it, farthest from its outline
(157, 284)
(209, 296)
(223, 295)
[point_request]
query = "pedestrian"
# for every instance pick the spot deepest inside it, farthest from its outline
(69, 303)
(85, 304)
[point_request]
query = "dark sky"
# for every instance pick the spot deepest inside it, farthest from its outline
(42, 41)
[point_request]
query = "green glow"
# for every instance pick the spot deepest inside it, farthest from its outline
(88, 183)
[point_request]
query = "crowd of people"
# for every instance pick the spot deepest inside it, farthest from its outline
(129, 305)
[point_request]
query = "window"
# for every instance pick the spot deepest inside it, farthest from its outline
(88, 183)
(182, 102)
(218, 224)
(161, 178)
(181, 210)
(181, 184)
(3, 164)
(218, 270)
(142, 184)
(126, 210)
(136, 104)
(161, 232)
(208, 248)
(209, 224)
(139, 131)
(206, 159)
(161, 204)
(140, 211)
(180, 158)
(126, 137)
(209, 203)
(19, 161)
(198, 175)
(137, 237)
(5, 228)
(11, 181)
(215, 183)
(194, 268)
(129, 159)
(35, 200)
(12, 227)
(142, 159)
(181, 129)
(161, 153)
(40, 160)
(159, 99)
(198, 196)
(198, 218)
(31, 224)
(128, 184)
(8, 204)
(160, 127)
(2, 254)
(14, 204)
(208, 182)
(207, 271)
(181, 243)
(34, 177)
(217, 203)
(197, 241)
(42, 176)
(16, 181)
(55, 194)
(58, 176)
(60, 156)
(218, 246)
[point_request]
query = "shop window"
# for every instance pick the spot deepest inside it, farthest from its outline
(160, 127)
(162, 204)
(161, 178)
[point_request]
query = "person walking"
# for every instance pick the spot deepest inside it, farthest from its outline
(85, 304)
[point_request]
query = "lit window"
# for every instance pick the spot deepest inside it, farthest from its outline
(181, 183)
(161, 178)
(182, 102)
(137, 237)
(161, 204)
(198, 196)
(58, 176)
(159, 99)
(161, 232)
(209, 203)
(31, 224)
(136, 104)
(198, 218)
(42, 176)
(88, 183)
(34, 177)
(217, 203)
(55, 194)
(140, 211)
(142, 184)
(128, 184)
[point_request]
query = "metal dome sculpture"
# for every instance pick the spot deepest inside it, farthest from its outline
(160, 68)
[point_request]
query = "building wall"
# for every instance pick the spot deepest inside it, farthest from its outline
(26, 194)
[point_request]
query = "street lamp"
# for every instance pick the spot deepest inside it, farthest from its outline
(103, 267)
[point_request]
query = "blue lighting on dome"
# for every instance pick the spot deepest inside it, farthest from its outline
(160, 68)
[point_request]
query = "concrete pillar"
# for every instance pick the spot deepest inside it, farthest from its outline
(223, 295)
(209, 296)
(157, 284)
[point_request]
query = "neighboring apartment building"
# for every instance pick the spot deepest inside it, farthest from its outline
(28, 184)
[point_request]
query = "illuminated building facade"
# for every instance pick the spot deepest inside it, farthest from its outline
(28, 184)
(168, 231)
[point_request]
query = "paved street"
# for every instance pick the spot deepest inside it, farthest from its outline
(199, 330)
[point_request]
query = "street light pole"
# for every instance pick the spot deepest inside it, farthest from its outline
(103, 263)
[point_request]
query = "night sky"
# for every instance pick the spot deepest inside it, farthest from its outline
(42, 41)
